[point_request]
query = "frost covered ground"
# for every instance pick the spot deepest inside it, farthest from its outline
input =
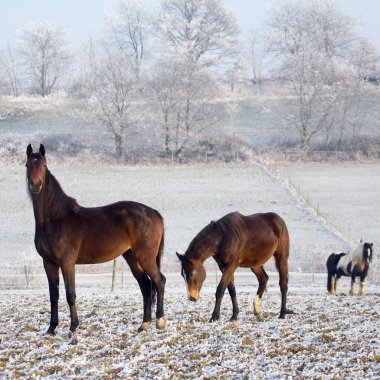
(328, 338)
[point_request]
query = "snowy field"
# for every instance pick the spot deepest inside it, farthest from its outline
(329, 337)
(346, 194)
(188, 197)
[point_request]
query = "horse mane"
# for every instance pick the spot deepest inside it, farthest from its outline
(357, 255)
(229, 229)
(206, 232)
(231, 226)
(59, 203)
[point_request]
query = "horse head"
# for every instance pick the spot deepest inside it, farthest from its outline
(367, 252)
(35, 169)
(194, 275)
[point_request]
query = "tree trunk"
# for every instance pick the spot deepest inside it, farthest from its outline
(167, 136)
(118, 147)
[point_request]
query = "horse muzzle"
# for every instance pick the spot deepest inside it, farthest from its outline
(194, 296)
(35, 188)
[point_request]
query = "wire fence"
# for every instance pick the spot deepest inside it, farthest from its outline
(124, 279)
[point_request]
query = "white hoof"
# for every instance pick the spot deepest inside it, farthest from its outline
(160, 323)
(144, 326)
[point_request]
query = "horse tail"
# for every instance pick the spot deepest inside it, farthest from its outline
(160, 250)
(331, 264)
(284, 241)
(159, 256)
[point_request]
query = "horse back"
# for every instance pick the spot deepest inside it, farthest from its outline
(333, 261)
(111, 230)
(266, 235)
(269, 223)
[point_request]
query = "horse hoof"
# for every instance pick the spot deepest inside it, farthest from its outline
(50, 333)
(213, 319)
(160, 323)
(144, 326)
(73, 338)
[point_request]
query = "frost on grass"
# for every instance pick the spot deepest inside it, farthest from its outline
(329, 337)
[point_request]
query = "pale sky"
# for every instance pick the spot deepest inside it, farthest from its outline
(83, 17)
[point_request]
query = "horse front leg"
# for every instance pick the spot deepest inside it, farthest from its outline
(68, 273)
(226, 279)
(235, 306)
(52, 273)
(352, 290)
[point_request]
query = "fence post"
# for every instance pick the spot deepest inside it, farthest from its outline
(113, 276)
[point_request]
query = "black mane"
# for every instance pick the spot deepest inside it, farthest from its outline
(228, 228)
(59, 204)
(205, 233)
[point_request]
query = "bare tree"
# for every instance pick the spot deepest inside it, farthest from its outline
(130, 29)
(113, 96)
(46, 54)
(187, 96)
(10, 65)
(312, 41)
(254, 55)
(164, 87)
(200, 31)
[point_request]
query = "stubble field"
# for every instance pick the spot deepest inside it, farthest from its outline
(328, 338)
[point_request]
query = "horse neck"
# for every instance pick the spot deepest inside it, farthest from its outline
(357, 256)
(51, 203)
(204, 244)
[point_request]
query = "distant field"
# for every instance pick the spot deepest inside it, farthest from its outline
(346, 193)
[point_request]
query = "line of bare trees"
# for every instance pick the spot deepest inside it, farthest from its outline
(165, 67)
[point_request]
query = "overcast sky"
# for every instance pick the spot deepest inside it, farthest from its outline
(83, 17)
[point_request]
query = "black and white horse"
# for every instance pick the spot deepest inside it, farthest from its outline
(354, 264)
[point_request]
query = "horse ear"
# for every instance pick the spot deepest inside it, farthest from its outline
(29, 150)
(180, 256)
(42, 150)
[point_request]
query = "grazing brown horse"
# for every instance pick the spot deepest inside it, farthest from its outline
(68, 234)
(236, 241)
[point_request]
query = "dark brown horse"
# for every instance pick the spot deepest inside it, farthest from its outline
(238, 241)
(68, 234)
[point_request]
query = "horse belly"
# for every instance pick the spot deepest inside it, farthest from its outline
(102, 251)
(250, 260)
(344, 267)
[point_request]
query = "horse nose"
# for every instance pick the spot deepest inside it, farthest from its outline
(192, 299)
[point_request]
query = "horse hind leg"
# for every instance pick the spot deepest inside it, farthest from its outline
(145, 286)
(331, 283)
(282, 267)
(158, 280)
(262, 277)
